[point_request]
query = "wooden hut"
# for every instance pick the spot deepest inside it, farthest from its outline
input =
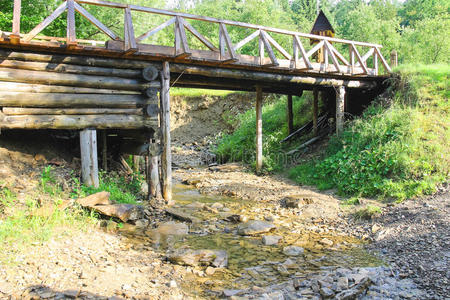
(322, 26)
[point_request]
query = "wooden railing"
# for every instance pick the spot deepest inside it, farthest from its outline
(227, 51)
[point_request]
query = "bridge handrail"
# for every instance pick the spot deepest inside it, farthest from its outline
(357, 64)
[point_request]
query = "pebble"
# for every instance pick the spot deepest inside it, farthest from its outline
(293, 250)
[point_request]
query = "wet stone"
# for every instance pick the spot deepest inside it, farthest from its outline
(189, 257)
(172, 228)
(255, 227)
(293, 250)
(269, 240)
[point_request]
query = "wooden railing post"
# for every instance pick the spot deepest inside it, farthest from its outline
(394, 59)
(166, 157)
(71, 31)
(15, 36)
(340, 107)
(89, 161)
(259, 145)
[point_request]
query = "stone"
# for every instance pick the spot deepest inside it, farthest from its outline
(125, 212)
(182, 216)
(189, 257)
(210, 271)
(142, 223)
(172, 228)
(375, 228)
(236, 218)
(326, 242)
(293, 250)
(342, 283)
(217, 205)
(101, 198)
(269, 240)
(173, 284)
(230, 293)
(295, 201)
(255, 227)
(355, 291)
(326, 292)
(195, 205)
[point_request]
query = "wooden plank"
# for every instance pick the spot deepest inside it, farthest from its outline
(340, 103)
(199, 36)
(89, 161)
(261, 50)
(59, 100)
(228, 43)
(305, 57)
(338, 55)
(352, 59)
(290, 114)
(16, 18)
(42, 88)
(155, 30)
(269, 49)
(359, 58)
(129, 32)
(259, 146)
(20, 111)
(166, 157)
(47, 21)
(314, 49)
(366, 56)
(95, 21)
(73, 122)
(383, 61)
(71, 31)
(375, 63)
(102, 82)
(315, 110)
(278, 46)
(333, 57)
(181, 44)
(247, 40)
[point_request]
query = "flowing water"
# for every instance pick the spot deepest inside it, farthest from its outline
(250, 263)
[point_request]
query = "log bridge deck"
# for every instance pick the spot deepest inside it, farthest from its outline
(123, 84)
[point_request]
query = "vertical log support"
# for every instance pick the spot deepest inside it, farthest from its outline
(166, 157)
(340, 104)
(154, 190)
(15, 36)
(259, 146)
(89, 161)
(290, 115)
(104, 151)
(394, 59)
(315, 110)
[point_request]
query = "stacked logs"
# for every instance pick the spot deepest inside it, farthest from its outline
(40, 91)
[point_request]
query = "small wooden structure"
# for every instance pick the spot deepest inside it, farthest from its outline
(122, 87)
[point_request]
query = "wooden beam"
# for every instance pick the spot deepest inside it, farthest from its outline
(383, 61)
(17, 111)
(259, 145)
(15, 36)
(338, 55)
(130, 39)
(224, 37)
(95, 22)
(181, 45)
(73, 122)
(359, 58)
(305, 57)
(290, 115)
(89, 161)
(71, 30)
(199, 36)
(340, 104)
(314, 49)
(155, 30)
(333, 57)
(267, 46)
(166, 158)
(315, 110)
(42, 88)
(246, 40)
(154, 187)
(58, 11)
(278, 46)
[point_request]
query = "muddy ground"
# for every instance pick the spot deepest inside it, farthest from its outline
(401, 253)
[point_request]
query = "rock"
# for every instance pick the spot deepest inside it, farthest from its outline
(255, 227)
(101, 198)
(189, 257)
(375, 228)
(355, 291)
(326, 242)
(142, 223)
(217, 205)
(230, 293)
(295, 201)
(293, 250)
(125, 212)
(269, 240)
(236, 218)
(173, 284)
(326, 292)
(231, 167)
(172, 228)
(182, 215)
(269, 218)
(342, 283)
(195, 205)
(210, 271)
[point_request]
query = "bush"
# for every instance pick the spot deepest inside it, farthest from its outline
(399, 151)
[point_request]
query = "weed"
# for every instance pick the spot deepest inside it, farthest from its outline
(48, 182)
(367, 213)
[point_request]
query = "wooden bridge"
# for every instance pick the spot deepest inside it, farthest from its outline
(122, 86)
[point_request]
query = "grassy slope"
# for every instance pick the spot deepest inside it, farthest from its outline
(397, 149)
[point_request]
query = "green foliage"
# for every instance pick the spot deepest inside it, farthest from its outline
(7, 198)
(240, 145)
(48, 182)
(395, 152)
(122, 189)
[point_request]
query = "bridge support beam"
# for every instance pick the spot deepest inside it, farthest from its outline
(290, 115)
(89, 161)
(166, 157)
(259, 148)
(340, 107)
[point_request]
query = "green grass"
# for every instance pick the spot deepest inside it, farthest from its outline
(123, 189)
(367, 213)
(395, 151)
(198, 92)
(240, 145)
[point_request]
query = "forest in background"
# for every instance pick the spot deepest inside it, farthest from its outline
(419, 30)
